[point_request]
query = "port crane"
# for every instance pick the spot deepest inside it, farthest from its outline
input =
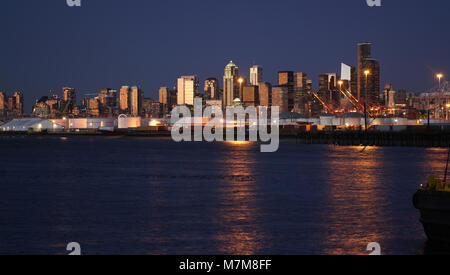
(329, 109)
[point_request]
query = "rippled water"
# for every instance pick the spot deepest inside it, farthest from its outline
(125, 196)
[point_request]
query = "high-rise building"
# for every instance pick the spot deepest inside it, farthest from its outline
(136, 99)
(366, 62)
(211, 88)
(328, 90)
(94, 107)
(187, 89)
(230, 84)
(280, 98)
(165, 99)
(250, 95)
(301, 93)
(18, 104)
(2, 104)
(164, 95)
(265, 94)
(349, 77)
(286, 78)
(124, 99)
(69, 99)
(256, 75)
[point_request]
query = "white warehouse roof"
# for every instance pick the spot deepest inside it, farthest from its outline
(24, 124)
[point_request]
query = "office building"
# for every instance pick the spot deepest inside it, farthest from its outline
(211, 89)
(2, 104)
(265, 94)
(280, 98)
(286, 78)
(69, 99)
(368, 87)
(18, 104)
(250, 95)
(187, 89)
(124, 99)
(230, 84)
(136, 99)
(256, 75)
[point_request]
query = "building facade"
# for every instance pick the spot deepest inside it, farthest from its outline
(211, 89)
(136, 100)
(187, 89)
(124, 99)
(280, 98)
(368, 87)
(265, 94)
(230, 84)
(256, 75)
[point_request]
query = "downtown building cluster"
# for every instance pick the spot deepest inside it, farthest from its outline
(355, 90)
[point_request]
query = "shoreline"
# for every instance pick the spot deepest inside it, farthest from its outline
(432, 139)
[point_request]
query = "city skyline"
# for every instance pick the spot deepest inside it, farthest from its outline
(35, 68)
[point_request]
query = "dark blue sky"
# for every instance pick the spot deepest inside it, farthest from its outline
(109, 43)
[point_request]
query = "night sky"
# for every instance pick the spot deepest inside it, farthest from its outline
(109, 43)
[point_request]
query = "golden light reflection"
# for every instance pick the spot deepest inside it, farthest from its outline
(239, 233)
(354, 204)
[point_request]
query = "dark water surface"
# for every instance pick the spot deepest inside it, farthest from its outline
(125, 196)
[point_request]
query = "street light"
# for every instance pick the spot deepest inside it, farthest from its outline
(240, 80)
(439, 76)
(340, 82)
(366, 73)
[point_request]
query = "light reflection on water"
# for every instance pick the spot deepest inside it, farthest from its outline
(354, 199)
(238, 211)
(119, 196)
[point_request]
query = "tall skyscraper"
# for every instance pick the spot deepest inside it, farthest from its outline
(2, 104)
(187, 88)
(136, 99)
(286, 78)
(328, 90)
(18, 104)
(69, 99)
(265, 94)
(164, 95)
(124, 99)
(212, 88)
(280, 98)
(165, 99)
(301, 95)
(230, 85)
(256, 75)
(350, 78)
(250, 95)
(366, 62)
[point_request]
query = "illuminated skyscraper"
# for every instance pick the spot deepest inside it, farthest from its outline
(256, 75)
(366, 62)
(136, 99)
(265, 94)
(280, 98)
(187, 89)
(230, 85)
(164, 95)
(212, 88)
(18, 104)
(69, 99)
(124, 99)
(286, 78)
(250, 95)
(2, 104)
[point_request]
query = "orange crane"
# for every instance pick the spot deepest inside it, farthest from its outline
(329, 109)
